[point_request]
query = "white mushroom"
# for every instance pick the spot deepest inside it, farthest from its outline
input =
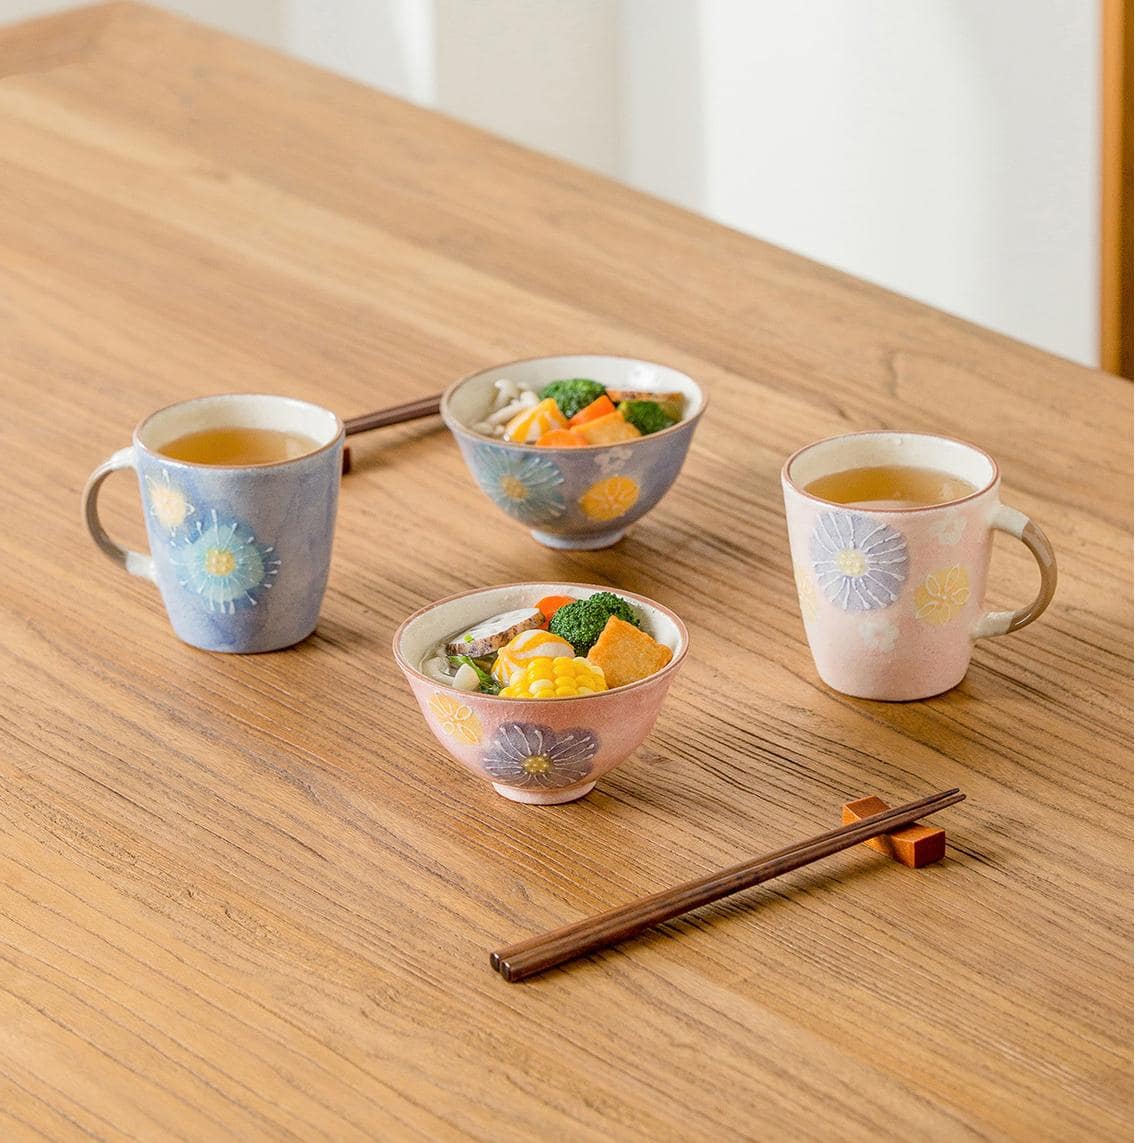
(466, 679)
(506, 391)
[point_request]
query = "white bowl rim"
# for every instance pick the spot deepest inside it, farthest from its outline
(635, 442)
(676, 660)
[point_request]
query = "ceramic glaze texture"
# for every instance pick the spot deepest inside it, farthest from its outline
(543, 751)
(578, 498)
(552, 749)
(892, 596)
(241, 555)
(890, 599)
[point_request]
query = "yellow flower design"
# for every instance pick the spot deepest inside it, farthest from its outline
(456, 719)
(943, 593)
(168, 503)
(608, 498)
(806, 597)
(514, 488)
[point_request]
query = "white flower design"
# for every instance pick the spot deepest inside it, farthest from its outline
(860, 563)
(612, 459)
(525, 486)
(879, 633)
(224, 564)
(168, 503)
(947, 528)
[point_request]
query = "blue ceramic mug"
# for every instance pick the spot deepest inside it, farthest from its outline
(240, 552)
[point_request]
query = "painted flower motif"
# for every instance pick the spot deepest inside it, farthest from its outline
(613, 459)
(807, 597)
(609, 498)
(942, 595)
(167, 502)
(525, 486)
(947, 528)
(533, 757)
(225, 564)
(456, 719)
(879, 633)
(860, 563)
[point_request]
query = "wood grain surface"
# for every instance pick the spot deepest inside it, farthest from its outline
(249, 898)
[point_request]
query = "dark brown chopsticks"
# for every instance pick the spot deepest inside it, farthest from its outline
(528, 957)
(395, 415)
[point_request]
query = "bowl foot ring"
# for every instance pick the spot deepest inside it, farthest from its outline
(579, 543)
(543, 797)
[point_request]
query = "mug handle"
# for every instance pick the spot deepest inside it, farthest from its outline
(1005, 519)
(134, 562)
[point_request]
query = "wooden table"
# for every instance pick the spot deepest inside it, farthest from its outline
(250, 898)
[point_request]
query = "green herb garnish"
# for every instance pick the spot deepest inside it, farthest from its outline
(488, 685)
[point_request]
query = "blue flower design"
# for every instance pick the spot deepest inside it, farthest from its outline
(533, 757)
(860, 563)
(224, 564)
(525, 486)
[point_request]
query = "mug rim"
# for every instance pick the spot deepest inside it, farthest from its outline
(456, 426)
(992, 482)
(662, 672)
(334, 442)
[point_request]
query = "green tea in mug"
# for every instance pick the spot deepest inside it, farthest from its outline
(889, 486)
(235, 447)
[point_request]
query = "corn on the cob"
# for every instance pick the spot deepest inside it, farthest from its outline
(559, 677)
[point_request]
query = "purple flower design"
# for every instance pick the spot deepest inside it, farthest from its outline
(532, 757)
(861, 563)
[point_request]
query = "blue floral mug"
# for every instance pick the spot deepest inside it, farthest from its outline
(240, 551)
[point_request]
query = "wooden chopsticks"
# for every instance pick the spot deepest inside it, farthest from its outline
(395, 415)
(528, 957)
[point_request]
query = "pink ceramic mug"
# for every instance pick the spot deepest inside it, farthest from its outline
(892, 598)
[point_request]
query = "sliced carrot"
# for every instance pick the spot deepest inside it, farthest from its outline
(600, 407)
(561, 438)
(550, 604)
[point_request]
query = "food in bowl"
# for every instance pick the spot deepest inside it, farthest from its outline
(569, 494)
(576, 412)
(560, 647)
(540, 748)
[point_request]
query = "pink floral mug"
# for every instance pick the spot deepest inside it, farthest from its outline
(892, 597)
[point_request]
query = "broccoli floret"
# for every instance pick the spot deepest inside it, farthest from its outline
(646, 416)
(573, 394)
(581, 622)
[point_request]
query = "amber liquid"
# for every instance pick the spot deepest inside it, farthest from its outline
(890, 486)
(236, 446)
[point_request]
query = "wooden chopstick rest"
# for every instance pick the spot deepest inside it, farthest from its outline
(912, 845)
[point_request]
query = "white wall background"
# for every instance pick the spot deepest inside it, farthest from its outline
(947, 149)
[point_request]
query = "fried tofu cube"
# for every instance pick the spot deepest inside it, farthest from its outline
(609, 429)
(626, 654)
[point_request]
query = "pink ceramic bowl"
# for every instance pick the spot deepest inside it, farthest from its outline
(540, 751)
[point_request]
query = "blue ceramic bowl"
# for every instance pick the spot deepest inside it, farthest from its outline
(585, 497)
